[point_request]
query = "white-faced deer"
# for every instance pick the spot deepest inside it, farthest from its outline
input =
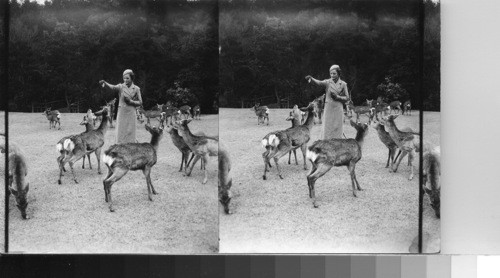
(77, 146)
(196, 112)
(54, 117)
(262, 112)
(225, 180)
(201, 146)
(121, 158)
(406, 142)
(280, 143)
(18, 170)
(324, 154)
(431, 172)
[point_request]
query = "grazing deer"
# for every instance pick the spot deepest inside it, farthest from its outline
(361, 110)
(324, 154)
(18, 170)
(54, 117)
(279, 143)
(406, 142)
(262, 112)
(149, 114)
(407, 107)
(201, 146)
(121, 158)
(197, 112)
(186, 111)
(431, 172)
(396, 106)
(225, 180)
(77, 146)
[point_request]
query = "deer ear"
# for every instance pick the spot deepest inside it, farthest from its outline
(394, 116)
(353, 123)
(188, 121)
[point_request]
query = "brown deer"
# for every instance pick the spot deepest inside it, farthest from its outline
(262, 112)
(182, 146)
(121, 158)
(196, 112)
(54, 117)
(18, 171)
(186, 111)
(279, 143)
(324, 154)
(201, 146)
(431, 172)
(396, 106)
(406, 142)
(225, 180)
(386, 139)
(77, 146)
(169, 111)
(149, 114)
(361, 110)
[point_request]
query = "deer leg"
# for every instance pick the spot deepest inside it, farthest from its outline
(110, 172)
(303, 148)
(311, 179)
(204, 162)
(183, 161)
(83, 162)
(90, 164)
(411, 155)
(289, 156)
(61, 168)
(295, 155)
(116, 175)
(313, 169)
(72, 170)
(188, 172)
(266, 163)
(403, 154)
(147, 172)
(98, 156)
(355, 178)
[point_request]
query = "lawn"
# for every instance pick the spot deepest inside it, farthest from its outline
(277, 216)
(74, 218)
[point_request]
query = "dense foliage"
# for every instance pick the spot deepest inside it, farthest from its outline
(268, 47)
(59, 51)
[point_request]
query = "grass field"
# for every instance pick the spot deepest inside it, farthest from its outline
(74, 218)
(277, 215)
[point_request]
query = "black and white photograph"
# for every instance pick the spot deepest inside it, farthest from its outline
(320, 106)
(113, 124)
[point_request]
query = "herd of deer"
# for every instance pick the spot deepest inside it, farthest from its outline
(324, 154)
(121, 158)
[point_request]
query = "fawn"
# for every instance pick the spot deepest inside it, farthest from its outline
(225, 180)
(201, 146)
(121, 158)
(279, 143)
(324, 154)
(262, 112)
(18, 170)
(74, 147)
(54, 117)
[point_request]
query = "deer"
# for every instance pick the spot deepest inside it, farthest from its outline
(279, 143)
(319, 106)
(121, 158)
(149, 114)
(17, 171)
(54, 117)
(186, 111)
(361, 110)
(182, 146)
(262, 112)
(196, 112)
(407, 107)
(111, 111)
(431, 172)
(381, 108)
(225, 180)
(406, 142)
(201, 146)
(324, 154)
(386, 139)
(396, 106)
(77, 146)
(169, 111)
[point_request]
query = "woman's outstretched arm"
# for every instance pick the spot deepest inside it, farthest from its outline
(315, 81)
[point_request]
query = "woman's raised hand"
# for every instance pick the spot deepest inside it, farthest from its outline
(102, 82)
(308, 78)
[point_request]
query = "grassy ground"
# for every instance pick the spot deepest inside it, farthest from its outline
(74, 218)
(277, 215)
